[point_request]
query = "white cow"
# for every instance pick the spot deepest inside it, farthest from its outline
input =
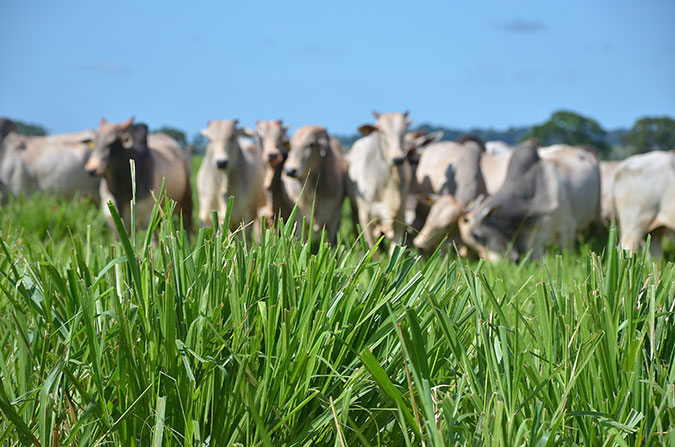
(644, 197)
(379, 177)
(607, 173)
(280, 190)
(53, 164)
(232, 167)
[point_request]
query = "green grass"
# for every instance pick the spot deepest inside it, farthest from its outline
(209, 341)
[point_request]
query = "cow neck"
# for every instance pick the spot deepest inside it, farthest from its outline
(395, 173)
(118, 176)
(321, 180)
(236, 167)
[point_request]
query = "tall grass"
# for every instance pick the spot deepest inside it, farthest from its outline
(212, 341)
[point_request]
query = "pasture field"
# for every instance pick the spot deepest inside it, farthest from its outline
(208, 340)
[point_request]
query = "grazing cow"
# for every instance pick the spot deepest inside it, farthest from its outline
(607, 172)
(156, 157)
(449, 173)
(644, 196)
(232, 167)
(273, 141)
(315, 160)
(51, 163)
(379, 177)
(544, 199)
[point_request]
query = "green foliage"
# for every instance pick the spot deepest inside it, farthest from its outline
(571, 128)
(30, 129)
(652, 133)
(174, 133)
(210, 341)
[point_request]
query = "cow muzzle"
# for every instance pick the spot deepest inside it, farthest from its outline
(291, 172)
(222, 164)
(398, 161)
(91, 169)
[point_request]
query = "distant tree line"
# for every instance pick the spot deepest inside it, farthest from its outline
(564, 126)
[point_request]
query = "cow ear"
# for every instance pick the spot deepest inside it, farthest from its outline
(409, 123)
(433, 137)
(125, 125)
(127, 140)
(367, 129)
(286, 144)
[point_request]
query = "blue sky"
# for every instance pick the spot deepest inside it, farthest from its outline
(460, 64)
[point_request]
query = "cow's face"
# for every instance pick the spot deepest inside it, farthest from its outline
(441, 221)
(110, 141)
(485, 237)
(223, 141)
(272, 138)
(391, 128)
(309, 146)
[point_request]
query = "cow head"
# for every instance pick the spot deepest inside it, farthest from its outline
(223, 138)
(272, 138)
(310, 145)
(115, 142)
(494, 228)
(441, 221)
(484, 236)
(391, 127)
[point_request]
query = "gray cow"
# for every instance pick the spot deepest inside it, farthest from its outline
(544, 200)
(315, 162)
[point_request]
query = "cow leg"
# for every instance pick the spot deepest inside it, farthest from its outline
(656, 242)
(632, 239)
(366, 226)
(397, 239)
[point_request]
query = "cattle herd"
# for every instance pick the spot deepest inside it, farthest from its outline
(488, 198)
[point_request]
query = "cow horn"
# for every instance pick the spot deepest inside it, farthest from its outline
(103, 121)
(376, 115)
(406, 113)
(125, 125)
